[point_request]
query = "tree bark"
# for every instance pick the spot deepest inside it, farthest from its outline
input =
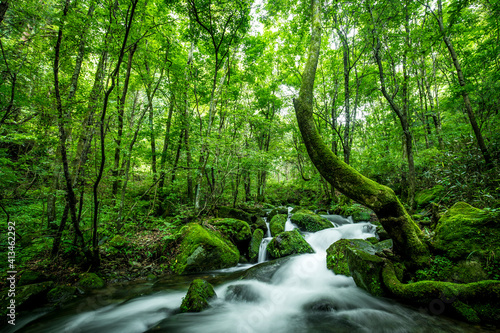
(391, 213)
(461, 82)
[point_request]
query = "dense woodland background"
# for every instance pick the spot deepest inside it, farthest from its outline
(126, 115)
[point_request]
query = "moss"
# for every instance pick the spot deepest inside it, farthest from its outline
(61, 293)
(89, 281)
(481, 298)
(364, 266)
(277, 224)
(200, 292)
(30, 277)
(287, 243)
(336, 259)
(308, 221)
(229, 212)
(259, 223)
(118, 242)
(27, 297)
(427, 196)
(278, 210)
(464, 230)
(253, 252)
(373, 240)
(200, 250)
(235, 230)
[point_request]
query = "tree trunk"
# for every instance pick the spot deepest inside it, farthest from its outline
(461, 82)
(391, 213)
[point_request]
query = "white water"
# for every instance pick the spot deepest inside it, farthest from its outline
(268, 232)
(301, 296)
(263, 249)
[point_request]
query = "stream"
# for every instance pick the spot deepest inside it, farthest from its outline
(293, 294)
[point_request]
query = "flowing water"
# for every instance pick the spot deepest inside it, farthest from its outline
(298, 294)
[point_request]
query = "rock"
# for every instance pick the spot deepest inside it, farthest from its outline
(287, 243)
(308, 221)
(423, 198)
(381, 233)
(151, 277)
(464, 230)
(236, 231)
(277, 210)
(90, 281)
(201, 249)
(242, 292)
(229, 212)
(61, 294)
(30, 277)
(118, 242)
(264, 272)
(365, 267)
(361, 216)
(200, 292)
(253, 251)
(27, 297)
(336, 259)
(356, 258)
(277, 224)
(259, 223)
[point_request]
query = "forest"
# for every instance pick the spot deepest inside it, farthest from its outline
(142, 140)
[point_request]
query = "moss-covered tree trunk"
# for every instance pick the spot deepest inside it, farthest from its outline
(393, 216)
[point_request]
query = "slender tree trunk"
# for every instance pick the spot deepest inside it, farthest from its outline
(71, 198)
(166, 142)
(461, 82)
(391, 213)
(121, 110)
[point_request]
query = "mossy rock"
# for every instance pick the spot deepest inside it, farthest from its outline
(277, 224)
(151, 277)
(200, 292)
(427, 196)
(234, 229)
(253, 251)
(306, 220)
(235, 213)
(361, 216)
(287, 243)
(201, 250)
(277, 210)
(90, 281)
(118, 242)
(365, 266)
(61, 294)
(336, 259)
(27, 297)
(30, 277)
(464, 230)
(381, 233)
(259, 223)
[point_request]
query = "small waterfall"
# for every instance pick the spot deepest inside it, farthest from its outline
(268, 233)
(263, 249)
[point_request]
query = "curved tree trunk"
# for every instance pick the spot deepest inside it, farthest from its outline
(393, 216)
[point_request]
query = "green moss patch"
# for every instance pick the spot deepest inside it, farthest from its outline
(201, 249)
(89, 281)
(253, 251)
(336, 259)
(287, 243)
(200, 292)
(277, 224)
(308, 221)
(427, 196)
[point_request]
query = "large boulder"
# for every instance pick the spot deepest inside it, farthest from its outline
(259, 223)
(306, 220)
(287, 243)
(425, 197)
(465, 231)
(357, 258)
(277, 224)
(31, 277)
(27, 297)
(200, 292)
(90, 281)
(253, 250)
(201, 249)
(235, 213)
(237, 231)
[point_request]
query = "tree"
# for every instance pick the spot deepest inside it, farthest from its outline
(392, 215)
